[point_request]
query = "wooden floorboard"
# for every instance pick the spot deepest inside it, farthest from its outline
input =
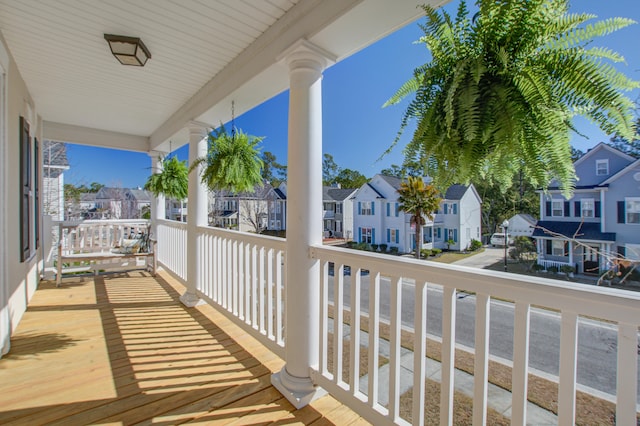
(121, 349)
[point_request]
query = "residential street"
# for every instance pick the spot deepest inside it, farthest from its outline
(597, 341)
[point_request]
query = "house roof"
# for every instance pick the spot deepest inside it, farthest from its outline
(375, 190)
(572, 230)
(336, 194)
(259, 192)
(140, 194)
(392, 180)
(455, 192)
(527, 217)
(279, 193)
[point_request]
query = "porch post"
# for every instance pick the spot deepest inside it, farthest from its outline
(157, 203)
(304, 222)
(196, 214)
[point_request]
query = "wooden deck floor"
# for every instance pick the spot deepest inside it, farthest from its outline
(122, 349)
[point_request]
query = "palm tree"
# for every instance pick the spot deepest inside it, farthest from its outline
(420, 201)
(503, 86)
(232, 162)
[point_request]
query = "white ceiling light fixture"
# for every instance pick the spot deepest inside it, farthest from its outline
(128, 50)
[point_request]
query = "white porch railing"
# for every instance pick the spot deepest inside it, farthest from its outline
(242, 274)
(552, 263)
(172, 247)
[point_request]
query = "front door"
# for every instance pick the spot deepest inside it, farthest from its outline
(591, 260)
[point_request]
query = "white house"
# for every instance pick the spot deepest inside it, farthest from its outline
(378, 219)
(521, 225)
(337, 211)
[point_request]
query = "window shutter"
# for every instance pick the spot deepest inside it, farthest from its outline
(549, 247)
(388, 209)
(577, 210)
(373, 235)
(397, 209)
(25, 188)
(567, 209)
(621, 212)
(445, 208)
(373, 208)
(36, 191)
(446, 234)
(359, 235)
(548, 208)
(455, 235)
(397, 236)
(388, 235)
(622, 251)
(455, 208)
(597, 207)
(359, 208)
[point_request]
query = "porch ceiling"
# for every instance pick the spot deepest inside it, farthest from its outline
(204, 54)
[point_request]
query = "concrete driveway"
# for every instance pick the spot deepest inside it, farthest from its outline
(489, 256)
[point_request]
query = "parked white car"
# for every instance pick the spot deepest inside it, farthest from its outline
(497, 239)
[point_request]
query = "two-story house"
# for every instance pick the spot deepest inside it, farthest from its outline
(379, 220)
(600, 221)
(255, 211)
(337, 215)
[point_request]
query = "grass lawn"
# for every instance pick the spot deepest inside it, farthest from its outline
(454, 256)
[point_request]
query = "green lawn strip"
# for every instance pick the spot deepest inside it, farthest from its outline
(590, 410)
(454, 256)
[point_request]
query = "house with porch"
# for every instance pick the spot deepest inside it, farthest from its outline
(600, 222)
(255, 211)
(63, 78)
(378, 219)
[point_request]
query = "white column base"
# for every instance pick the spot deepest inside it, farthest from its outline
(299, 391)
(191, 300)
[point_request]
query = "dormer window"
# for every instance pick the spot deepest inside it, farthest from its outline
(602, 167)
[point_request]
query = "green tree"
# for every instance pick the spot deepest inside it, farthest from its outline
(232, 162)
(95, 187)
(631, 147)
(272, 171)
(329, 169)
(419, 200)
(71, 192)
(348, 178)
(502, 88)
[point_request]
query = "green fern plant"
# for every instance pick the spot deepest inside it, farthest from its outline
(172, 181)
(502, 88)
(232, 162)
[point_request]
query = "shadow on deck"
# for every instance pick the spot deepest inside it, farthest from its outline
(122, 349)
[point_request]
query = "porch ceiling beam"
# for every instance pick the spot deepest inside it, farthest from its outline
(94, 137)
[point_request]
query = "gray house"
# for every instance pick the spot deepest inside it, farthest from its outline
(602, 219)
(337, 214)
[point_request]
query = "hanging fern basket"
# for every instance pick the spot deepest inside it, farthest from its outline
(232, 162)
(172, 181)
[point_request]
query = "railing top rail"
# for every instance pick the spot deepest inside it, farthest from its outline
(87, 222)
(257, 239)
(605, 303)
(173, 223)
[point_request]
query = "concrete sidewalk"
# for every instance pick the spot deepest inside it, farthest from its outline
(499, 399)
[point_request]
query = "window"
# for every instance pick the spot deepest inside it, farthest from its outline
(602, 167)
(557, 208)
(338, 208)
(327, 207)
(426, 234)
(558, 248)
(393, 236)
(278, 208)
(632, 210)
(366, 235)
(338, 226)
(366, 208)
(587, 207)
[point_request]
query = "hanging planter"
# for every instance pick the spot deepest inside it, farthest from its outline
(232, 162)
(172, 181)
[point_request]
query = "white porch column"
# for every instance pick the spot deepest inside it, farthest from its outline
(157, 203)
(304, 222)
(196, 214)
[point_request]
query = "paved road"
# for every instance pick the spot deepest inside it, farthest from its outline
(597, 341)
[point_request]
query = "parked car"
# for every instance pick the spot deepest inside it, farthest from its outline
(497, 239)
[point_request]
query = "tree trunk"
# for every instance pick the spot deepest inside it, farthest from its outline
(418, 238)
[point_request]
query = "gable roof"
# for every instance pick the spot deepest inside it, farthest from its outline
(622, 172)
(336, 194)
(392, 180)
(599, 147)
(455, 192)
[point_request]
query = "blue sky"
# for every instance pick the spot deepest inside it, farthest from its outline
(356, 129)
